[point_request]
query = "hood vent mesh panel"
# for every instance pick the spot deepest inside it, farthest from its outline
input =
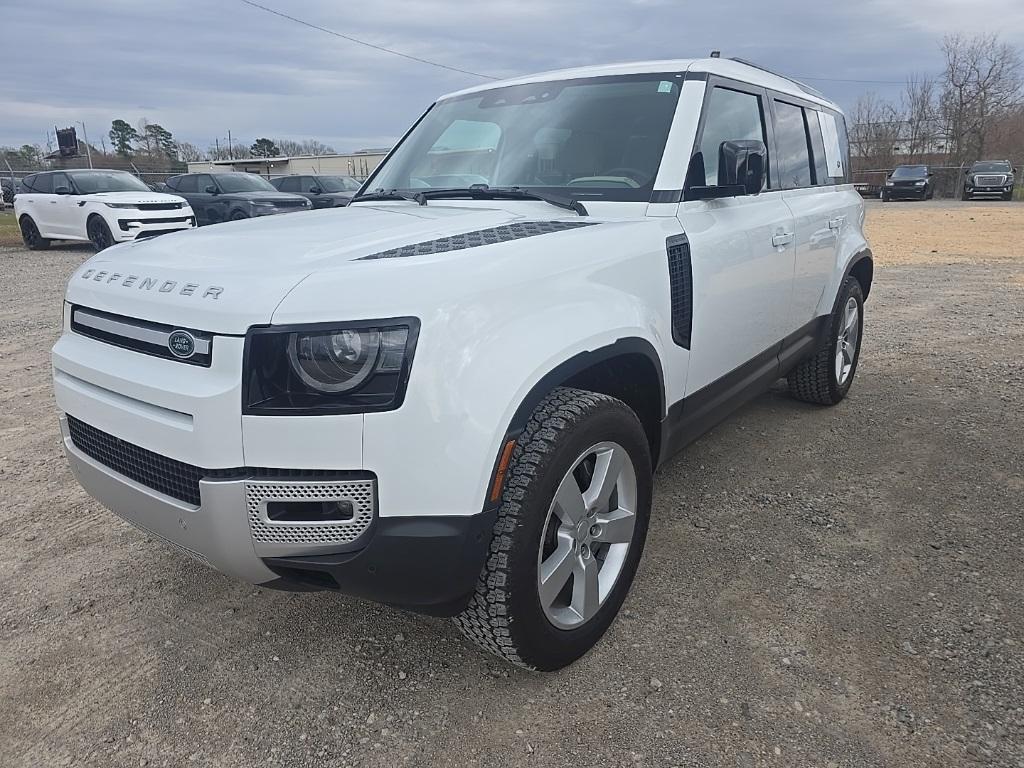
(504, 233)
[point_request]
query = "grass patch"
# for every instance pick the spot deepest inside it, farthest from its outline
(9, 233)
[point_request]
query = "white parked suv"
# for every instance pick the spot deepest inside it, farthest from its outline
(101, 207)
(451, 395)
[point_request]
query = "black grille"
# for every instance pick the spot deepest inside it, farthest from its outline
(505, 232)
(160, 206)
(168, 476)
(176, 478)
(680, 276)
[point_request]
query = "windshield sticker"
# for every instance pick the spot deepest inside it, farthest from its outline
(665, 86)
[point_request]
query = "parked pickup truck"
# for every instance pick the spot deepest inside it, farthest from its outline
(451, 395)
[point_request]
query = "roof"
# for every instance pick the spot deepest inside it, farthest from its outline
(738, 70)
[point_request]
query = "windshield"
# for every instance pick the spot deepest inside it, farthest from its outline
(243, 182)
(337, 183)
(90, 182)
(991, 167)
(596, 138)
(910, 172)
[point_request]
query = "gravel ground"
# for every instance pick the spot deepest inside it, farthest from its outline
(821, 587)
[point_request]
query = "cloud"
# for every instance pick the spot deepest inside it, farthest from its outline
(200, 68)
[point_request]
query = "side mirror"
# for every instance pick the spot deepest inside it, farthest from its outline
(742, 170)
(315, 190)
(62, 191)
(211, 189)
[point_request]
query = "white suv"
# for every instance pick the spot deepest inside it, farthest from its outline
(451, 395)
(101, 207)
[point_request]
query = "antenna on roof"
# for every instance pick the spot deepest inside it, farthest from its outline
(716, 54)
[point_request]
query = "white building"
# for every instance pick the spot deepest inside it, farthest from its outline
(359, 164)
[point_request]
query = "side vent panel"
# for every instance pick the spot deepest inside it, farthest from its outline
(515, 231)
(680, 276)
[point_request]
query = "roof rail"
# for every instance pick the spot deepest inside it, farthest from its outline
(802, 86)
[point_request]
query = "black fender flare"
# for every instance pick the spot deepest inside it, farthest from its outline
(861, 256)
(631, 345)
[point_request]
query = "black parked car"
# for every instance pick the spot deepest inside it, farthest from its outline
(322, 191)
(989, 178)
(908, 182)
(218, 197)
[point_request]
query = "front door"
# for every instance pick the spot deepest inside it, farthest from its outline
(741, 251)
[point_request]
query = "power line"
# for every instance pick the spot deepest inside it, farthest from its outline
(368, 45)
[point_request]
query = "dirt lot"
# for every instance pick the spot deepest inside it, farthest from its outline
(821, 587)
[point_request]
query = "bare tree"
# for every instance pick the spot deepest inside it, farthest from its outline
(922, 134)
(875, 131)
(188, 153)
(982, 83)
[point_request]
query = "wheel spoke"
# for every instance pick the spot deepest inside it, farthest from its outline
(616, 527)
(556, 570)
(606, 474)
(586, 596)
(851, 316)
(568, 502)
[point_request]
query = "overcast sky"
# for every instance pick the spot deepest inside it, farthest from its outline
(201, 67)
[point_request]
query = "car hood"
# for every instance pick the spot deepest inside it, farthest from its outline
(135, 198)
(230, 276)
(257, 196)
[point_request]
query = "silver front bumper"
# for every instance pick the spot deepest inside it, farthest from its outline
(230, 530)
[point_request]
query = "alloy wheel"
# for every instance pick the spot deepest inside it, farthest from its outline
(587, 535)
(99, 236)
(846, 344)
(29, 233)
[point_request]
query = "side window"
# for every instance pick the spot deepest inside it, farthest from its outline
(731, 116)
(794, 158)
(203, 181)
(287, 184)
(821, 174)
(28, 184)
(186, 184)
(61, 180)
(43, 183)
(837, 146)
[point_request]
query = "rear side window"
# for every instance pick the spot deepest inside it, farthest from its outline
(291, 184)
(42, 183)
(837, 145)
(793, 155)
(731, 116)
(821, 175)
(186, 184)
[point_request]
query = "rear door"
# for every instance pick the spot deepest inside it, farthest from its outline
(188, 187)
(741, 251)
(811, 194)
(43, 204)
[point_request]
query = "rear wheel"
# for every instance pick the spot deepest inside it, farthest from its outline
(825, 377)
(569, 535)
(30, 235)
(99, 233)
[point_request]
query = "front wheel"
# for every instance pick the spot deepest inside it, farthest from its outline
(964, 194)
(238, 216)
(569, 534)
(825, 377)
(99, 234)
(1007, 196)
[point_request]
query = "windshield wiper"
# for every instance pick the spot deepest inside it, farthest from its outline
(484, 192)
(392, 194)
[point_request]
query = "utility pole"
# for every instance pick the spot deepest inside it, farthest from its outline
(231, 149)
(88, 151)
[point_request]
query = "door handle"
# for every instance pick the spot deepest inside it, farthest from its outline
(837, 222)
(781, 239)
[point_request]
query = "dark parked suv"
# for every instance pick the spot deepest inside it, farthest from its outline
(989, 178)
(229, 196)
(908, 182)
(322, 191)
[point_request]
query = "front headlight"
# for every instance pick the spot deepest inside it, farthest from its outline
(348, 368)
(122, 205)
(920, 183)
(889, 183)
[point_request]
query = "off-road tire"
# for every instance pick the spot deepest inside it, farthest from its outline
(504, 615)
(30, 235)
(814, 379)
